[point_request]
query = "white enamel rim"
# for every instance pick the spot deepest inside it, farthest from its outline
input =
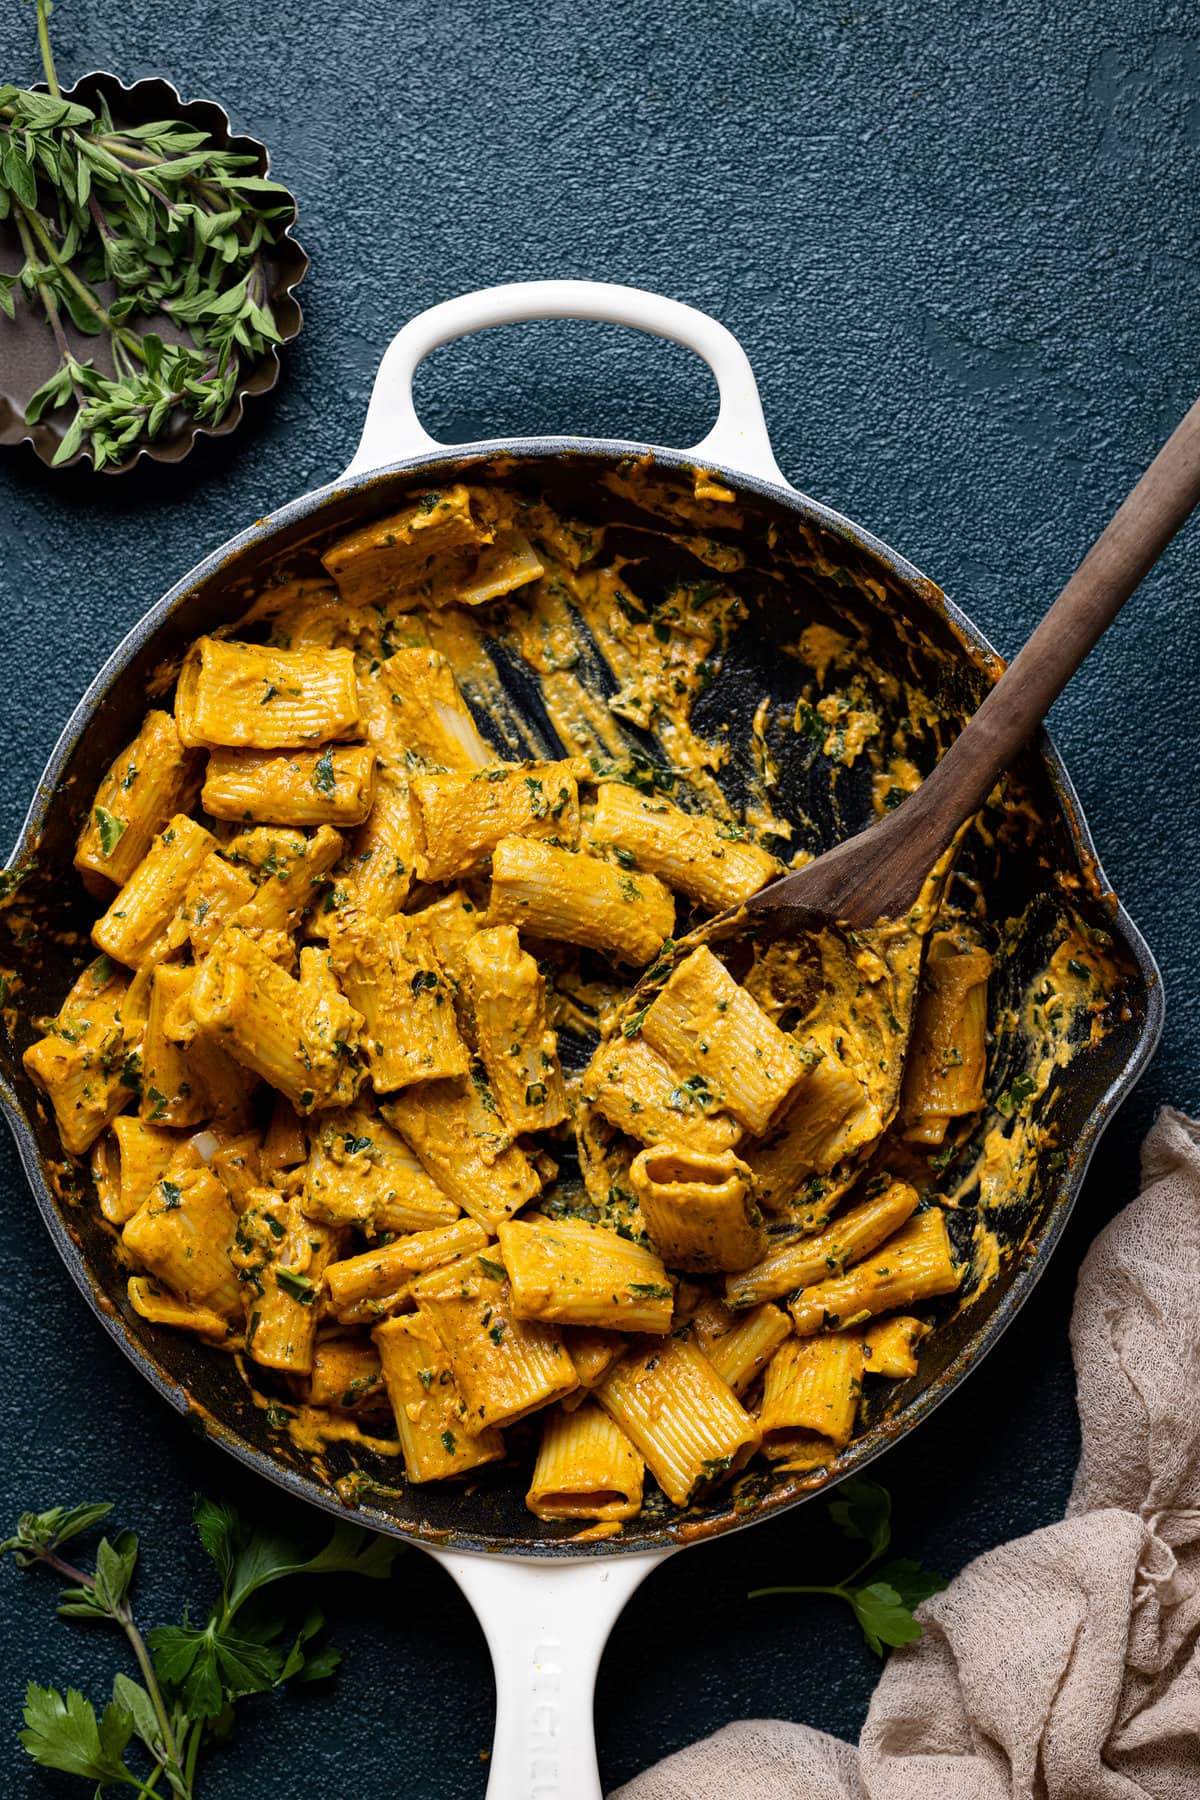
(547, 1622)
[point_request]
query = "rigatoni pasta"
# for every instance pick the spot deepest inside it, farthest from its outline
(359, 1078)
(586, 1468)
(555, 893)
(703, 858)
(459, 819)
(810, 1398)
(698, 1207)
(252, 697)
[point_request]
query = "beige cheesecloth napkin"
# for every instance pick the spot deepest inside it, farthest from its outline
(1066, 1665)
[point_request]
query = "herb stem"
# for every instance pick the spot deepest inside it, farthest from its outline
(764, 1593)
(43, 31)
(138, 1646)
(193, 1754)
(37, 226)
(49, 303)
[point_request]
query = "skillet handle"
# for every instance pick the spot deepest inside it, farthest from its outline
(546, 1623)
(738, 440)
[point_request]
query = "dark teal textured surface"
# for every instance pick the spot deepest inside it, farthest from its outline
(960, 245)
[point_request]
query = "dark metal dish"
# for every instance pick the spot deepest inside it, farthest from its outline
(1035, 860)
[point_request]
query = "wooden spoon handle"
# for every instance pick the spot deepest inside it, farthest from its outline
(879, 873)
(1126, 549)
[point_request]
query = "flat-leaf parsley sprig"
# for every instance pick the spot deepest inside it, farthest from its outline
(881, 1594)
(175, 225)
(192, 1676)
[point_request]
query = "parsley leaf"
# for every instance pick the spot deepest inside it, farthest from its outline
(194, 1674)
(881, 1595)
(63, 1732)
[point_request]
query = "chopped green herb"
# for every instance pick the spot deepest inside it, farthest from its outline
(323, 777)
(111, 829)
(300, 1287)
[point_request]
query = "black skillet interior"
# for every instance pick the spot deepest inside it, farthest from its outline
(1032, 860)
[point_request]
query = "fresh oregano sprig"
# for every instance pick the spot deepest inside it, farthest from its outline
(880, 1594)
(177, 226)
(192, 1676)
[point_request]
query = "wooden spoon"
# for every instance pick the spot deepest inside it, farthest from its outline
(878, 873)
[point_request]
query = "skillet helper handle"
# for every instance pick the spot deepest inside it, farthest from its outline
(738, 440)
(546, 1623)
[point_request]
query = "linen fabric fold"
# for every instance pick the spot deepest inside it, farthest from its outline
(1066, 1664)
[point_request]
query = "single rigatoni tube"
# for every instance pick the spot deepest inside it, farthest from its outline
(422, 715)
(593, 1353)
(586, 1468)
(398, 558)
(346, 1374)
(294, 1034)
(161, 1307)
(183, 1234)
(711, 1030)
(701, 857)
(636, 1090)
(459, 819)
(820, 1126)
(698, 1207)
(134, 1156)
(916, 1264)
(454, 1128)
(333, 786)
(427, 1405)
(564, 894)
(366, 1288)
(947, 1055)
(216, 891)
(88, 1064)
(170, 1093)
(284, 1144)
(851, 1236)
(685, 1422)
(508, 1002)
(143, 909)
(810, 1399)
(504, 1367)
(282, 1257)
(891, 1346)
(572, 1272)
(409, 1029)
(153, 779)
(373, 880)
(360, 1172)
(255, 697)
(738, 1345)
(287, 869)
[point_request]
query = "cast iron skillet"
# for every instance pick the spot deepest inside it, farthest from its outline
(547, 1602)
